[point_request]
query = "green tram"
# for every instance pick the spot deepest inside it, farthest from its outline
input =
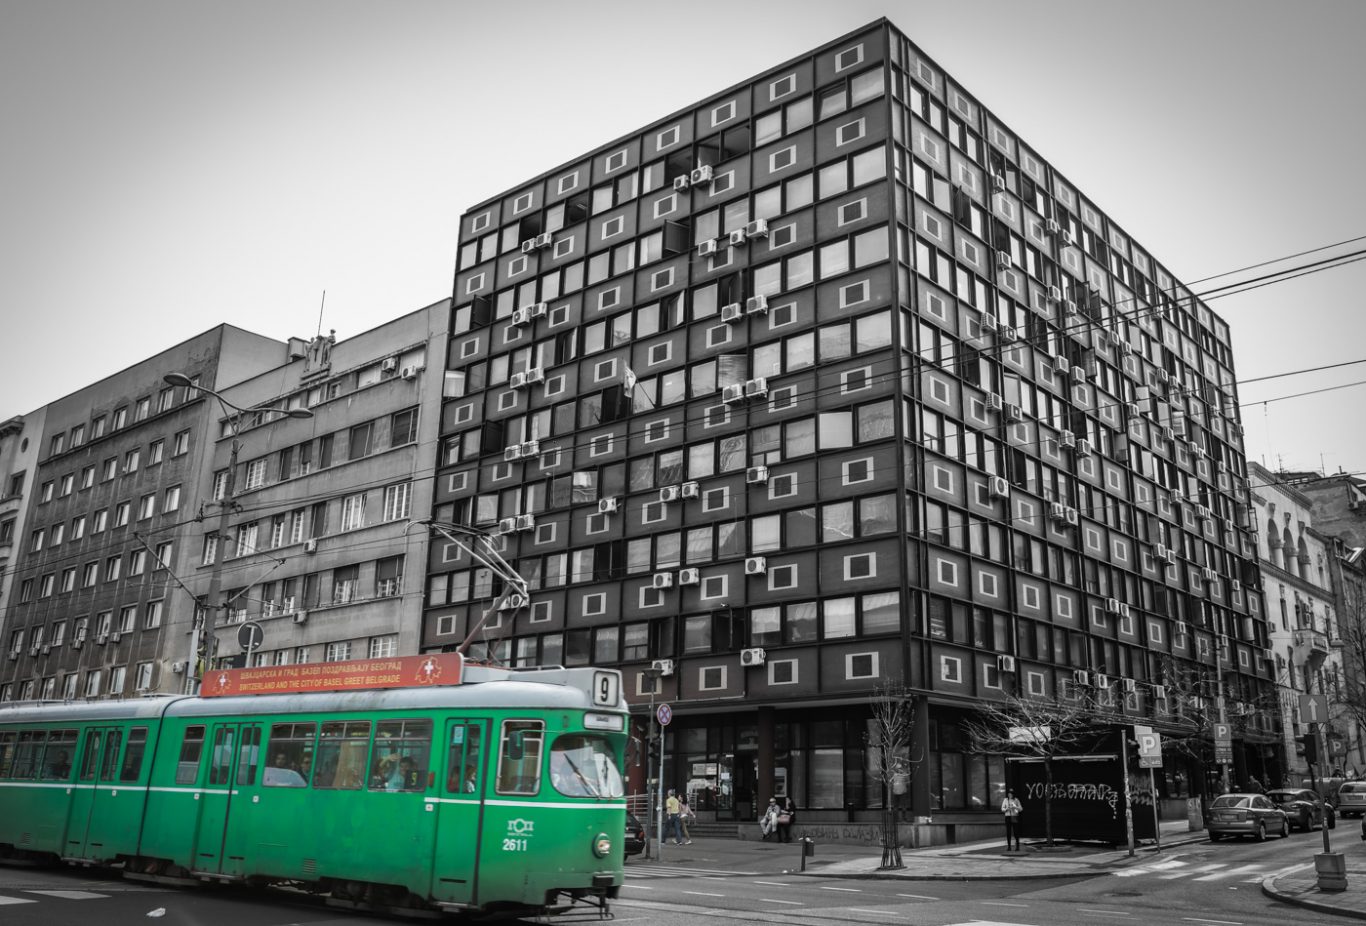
(502, 794)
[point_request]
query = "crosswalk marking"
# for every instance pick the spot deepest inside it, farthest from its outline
(1173, 869)
(1240, 870)
(680, 871)
(70, 895)
(12, 900)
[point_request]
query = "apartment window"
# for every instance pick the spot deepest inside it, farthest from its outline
(142, 680)
(210, 550)
(345, 584)
(388, 577)
(360, 441)
(120, 418)
(613, 227)
(46, 495)
(383, 647)
(246, 539)
(109, 469)
(68, 579)
(155, 450)
(121, 513)
(100, 522)
(853, 212)
(57, 445)
(97, 427)
(170, 500)
(403, 427)
(128, 618)
(88, 477)
(113, 568)
(336, 652)
(68, 484)
(180, 443)
(90, 574)
(137, 562)
(146, 506)
(668, 137)
(36, 539)
(151, 620)
(256, 474)
(163, 554)
(353, 512)
(143, 408)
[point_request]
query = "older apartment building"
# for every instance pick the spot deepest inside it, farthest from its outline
(829, 382)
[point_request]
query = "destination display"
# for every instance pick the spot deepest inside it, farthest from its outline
(351, 675)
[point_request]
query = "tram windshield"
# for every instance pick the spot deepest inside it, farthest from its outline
(584, 766)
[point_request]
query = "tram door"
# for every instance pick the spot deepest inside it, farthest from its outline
(225, 816)
(455, 864)
(96, 779)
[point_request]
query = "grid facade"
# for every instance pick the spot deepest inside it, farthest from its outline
(830, 383)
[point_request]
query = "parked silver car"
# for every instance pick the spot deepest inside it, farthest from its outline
(1351, 800)
(1245, 815)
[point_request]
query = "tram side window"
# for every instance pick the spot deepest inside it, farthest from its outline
(132, 756)
(191, 751)
(61, 746)
(291, 755)
(113, 739)
(342, 751)
(249, 749)
(220, 760)
(6, 753)
(462, 765)
(90, 759)
(26, 757)
(401, 755)
(519, 759)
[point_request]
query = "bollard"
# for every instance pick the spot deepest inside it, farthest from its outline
(808, 849)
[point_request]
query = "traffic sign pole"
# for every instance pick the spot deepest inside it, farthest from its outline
(664, 714)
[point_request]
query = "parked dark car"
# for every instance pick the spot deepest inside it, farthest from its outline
(1305, 808)
(1351, 800)
(634, 844)
(1245, 815)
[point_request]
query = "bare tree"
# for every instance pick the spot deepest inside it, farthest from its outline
(1351, 701)
(890, 760)
(1039, 727)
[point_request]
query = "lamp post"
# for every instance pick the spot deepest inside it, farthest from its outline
(652, 673)
(203, 622)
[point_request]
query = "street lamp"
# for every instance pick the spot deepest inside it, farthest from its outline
(653, 673)
(233, 414)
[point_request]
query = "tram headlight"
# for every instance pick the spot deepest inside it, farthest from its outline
(602, 845)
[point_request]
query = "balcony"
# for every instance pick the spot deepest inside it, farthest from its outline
(1311, 643)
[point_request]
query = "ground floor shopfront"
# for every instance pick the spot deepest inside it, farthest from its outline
(730, 764)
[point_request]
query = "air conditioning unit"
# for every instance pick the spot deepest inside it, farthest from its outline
(115, 637)
(1069, 308)
(543, 240)
(706, 248)
(756, 565)
(1003, 260)
(998, 180)
(689, 576)
(526, 522)
(528, 245)
(1111, 605)
(689, 490)
(1203, 512)
(1071, 516)
(737, 238)
(178, 667)
(732, 394)
(732, 313)
(1079, 374)
(512, 602)
(1061, 365)
(1084, 448)
(1209, 574)
(530, 448)
(757, 229)
(1054, 294)
(1052, 226)
(1081, 677)
(1160, 552)
(752, 657)
(1167, 434)
(1160, 692)
(1005, 663)
(47, 647)
(539, 309)
(668, 494)
(756, 305)
(1057, 511)
(1067, 439)
(998, 487)
(1067, 237)
(521, 317)
(310, 546)
(517, 381)
(756, 474)
(78, 643)
(1180, 629)
(1131, 409)
(989, 322)
(33, 650)
(1130, 686)
(994, 402)
(1014, 413)
(607, 505)
(410, 372)
(662, 580)
(1236, 585)
(663, 666)
(756, 388)
(1102, 682)
(1171, 557)
(1008, 333)
(388, 365)
(300, 617)
(507, 525)
(681, 183)
(535, 375)
(512, 453)
(701, 174)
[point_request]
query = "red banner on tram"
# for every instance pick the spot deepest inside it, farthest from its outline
(353, 675)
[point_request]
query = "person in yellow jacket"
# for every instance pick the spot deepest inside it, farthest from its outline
(671, 825)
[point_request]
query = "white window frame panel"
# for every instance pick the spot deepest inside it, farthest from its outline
(774, 94)
(668, 137)
(946, 573)
(787, 155)
(474, 284)
(787, 571)
(563, 247)
(860, 125)
(872, 657)
(843, 217)
(951, 669)
(868, 559)
(855, 293)
(857, 50)
(481, 221)
(566, 183)
(723, 113)
(593, 605)
(772, 671)
(670, 201)
(714, 587)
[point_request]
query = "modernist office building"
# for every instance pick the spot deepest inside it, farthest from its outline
(831, 382)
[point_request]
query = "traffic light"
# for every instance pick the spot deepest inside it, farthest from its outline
(1307, 747)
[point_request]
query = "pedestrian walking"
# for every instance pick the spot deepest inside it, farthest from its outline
(685, 816)
(671, 807)
(1011, 809)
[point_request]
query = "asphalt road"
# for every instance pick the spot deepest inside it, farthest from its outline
(1200, 884)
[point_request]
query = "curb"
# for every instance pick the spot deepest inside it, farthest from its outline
(1270, 889)
(889, 876)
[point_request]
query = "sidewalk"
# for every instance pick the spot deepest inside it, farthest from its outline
(1302, 889)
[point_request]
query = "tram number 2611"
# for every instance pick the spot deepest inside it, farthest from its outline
(514, 845)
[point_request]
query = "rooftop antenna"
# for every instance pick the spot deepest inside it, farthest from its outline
(320, 313)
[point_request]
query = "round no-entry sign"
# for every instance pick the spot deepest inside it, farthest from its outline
(664, 714)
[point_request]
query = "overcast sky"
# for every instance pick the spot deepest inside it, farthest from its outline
(168, 166)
